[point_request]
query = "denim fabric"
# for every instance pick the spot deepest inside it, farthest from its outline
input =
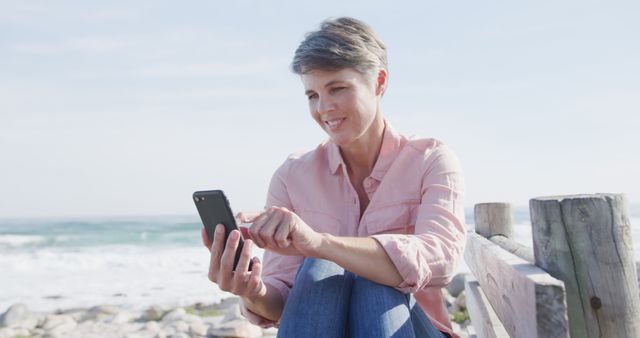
(328, 301)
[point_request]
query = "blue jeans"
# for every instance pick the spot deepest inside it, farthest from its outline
(328, 301)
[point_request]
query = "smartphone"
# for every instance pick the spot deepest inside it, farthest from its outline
(214, 209)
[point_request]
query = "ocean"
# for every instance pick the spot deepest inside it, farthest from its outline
(134, 262)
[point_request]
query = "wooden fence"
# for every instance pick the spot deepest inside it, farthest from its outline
(579, 279)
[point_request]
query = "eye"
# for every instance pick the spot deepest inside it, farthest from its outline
(312, 96)
(337, 89)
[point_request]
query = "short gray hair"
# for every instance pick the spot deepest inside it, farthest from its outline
(341, 43)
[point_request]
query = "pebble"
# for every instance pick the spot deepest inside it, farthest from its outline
(456, 286)
(236, 328)
(461, 302)
(153, 322)
(7, 332)
(153, 313)
(174, 315)
(19, 316)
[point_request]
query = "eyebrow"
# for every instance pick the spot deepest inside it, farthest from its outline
(330, 83)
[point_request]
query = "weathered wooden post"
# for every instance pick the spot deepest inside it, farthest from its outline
(493, 219)
(495, 222)
(528, 302)
(585, 241)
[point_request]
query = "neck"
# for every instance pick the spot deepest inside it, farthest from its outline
(361, 155)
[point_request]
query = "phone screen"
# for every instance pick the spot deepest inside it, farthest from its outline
(214, 209)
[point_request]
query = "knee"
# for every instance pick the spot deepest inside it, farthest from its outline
(318, 269)
(367, 289)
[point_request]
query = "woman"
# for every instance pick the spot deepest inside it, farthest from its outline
(361, 233)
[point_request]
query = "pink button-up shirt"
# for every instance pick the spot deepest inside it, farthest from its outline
(415, 212)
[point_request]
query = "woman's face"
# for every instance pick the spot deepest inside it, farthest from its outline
(344, 102)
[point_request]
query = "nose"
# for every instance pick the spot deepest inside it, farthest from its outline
(324, 104)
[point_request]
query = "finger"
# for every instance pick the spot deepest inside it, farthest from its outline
(241, 274)
(262, 217)
(247, 217)
(282, 233)
(258, 223)
(226, 262)
(255, 280)
(216, 253)
(268, 230)
(205, 238)
(245, 257)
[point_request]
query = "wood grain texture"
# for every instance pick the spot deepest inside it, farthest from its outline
(585, 241)
(514, 247)
(527, 300)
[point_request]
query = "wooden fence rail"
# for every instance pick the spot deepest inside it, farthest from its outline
(578, 280)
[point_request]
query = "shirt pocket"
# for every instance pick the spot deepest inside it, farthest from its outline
(395, 218)
(320, 221)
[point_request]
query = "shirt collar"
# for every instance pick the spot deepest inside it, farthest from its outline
(388, 152)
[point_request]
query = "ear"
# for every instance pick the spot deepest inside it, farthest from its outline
(381, 82)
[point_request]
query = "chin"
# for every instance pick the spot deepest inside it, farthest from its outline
(340, 139)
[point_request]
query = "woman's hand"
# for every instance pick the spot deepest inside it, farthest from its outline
(243, 283)
(282, 231)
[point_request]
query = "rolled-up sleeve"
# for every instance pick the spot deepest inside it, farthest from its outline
(430, 255)
(278, 271)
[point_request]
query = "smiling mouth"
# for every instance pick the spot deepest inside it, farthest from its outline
(335, 123)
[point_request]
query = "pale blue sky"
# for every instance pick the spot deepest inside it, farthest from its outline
(126, 108)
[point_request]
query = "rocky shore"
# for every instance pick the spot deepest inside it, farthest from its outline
(197, 320)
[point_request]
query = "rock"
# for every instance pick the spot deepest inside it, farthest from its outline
(461, 302)
(7, 332)
(152, 326)
(456, 328)
(21, 332)
(78, 314)
(448, 301)
(38, 332)
(174, 315)
(160, 334)
(456, 286)
(133, 335)
(154, 313)
(131, 326)
(212, 321)
(228, 302)
(469, 332)
(236, 328)
(144, 333)
(121, 318)
(233, 313)
(101, 312)
(179, 335)
(58, 325)
(18, 315)
(88, 328)
(198, 329)
(177, 326)
(52, 321)
(189, 319)
(234, 324)
(270, 332)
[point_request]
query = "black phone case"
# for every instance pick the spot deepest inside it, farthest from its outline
(214, 209)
